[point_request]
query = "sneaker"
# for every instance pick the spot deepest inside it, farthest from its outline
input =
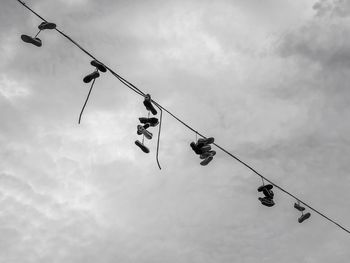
(142, 130)
(151, 121)
(91, 76)
(202, 141)
(46, 25)
(207, 154)
(142, 147)
(35, 41)
(204, 149)
(98, 65)
(268, 193)
(267, 186)
(148, 104)
(195, 148)
(146, 126)
(299, 207)
(206, 160)
(304, 217)
(266, 201)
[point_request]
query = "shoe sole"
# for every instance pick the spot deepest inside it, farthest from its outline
(31, 40)
(206, 161)
(142, 147)
(304, 217)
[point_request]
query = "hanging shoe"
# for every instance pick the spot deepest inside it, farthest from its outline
(142, 147)
(142, 130)
(91, 76)
(148, 104)
(98, 65)
(266, 201)
(206, 160)
(207, 154)
(46, 25)
(267, 186)
(35, 41)
(151, 121)
(304, 217)
(195, 148)
(268, 193)
(299, 207)
(146, 126)
(204, 149)
(202, 141)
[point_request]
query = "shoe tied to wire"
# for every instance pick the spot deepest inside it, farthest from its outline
(195, 148)
(46, 25)
(267, 186)
(142, 130)
(207, 154)
(268, 193)
(304, 217)
(201, 141)
(204, 149)
(146, 126)
(266, 201)
(32, 40)
(151, 121)
(206, 161)
(299, 207)
(98, 65)
(91, 76)
(148, 104)
(142, 147)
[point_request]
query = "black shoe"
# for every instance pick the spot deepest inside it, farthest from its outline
(202, 141)
(91, 76)
(98, 65)
(304, 217)
(268, 193)
(207, 154)
(142, 147)
(195, 148)
(267, 186)
(142, 130)
(266, 201)
(205, 148)
(299, 207)
(206, 160)
(46, 25)
(148, 104)
(35, 41)
(151, 121)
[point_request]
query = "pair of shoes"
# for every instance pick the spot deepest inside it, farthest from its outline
(148, 104)
(94, 75)
(35, 40)
(150, 121)
(142, 130)
(142, 147)
(267, 201)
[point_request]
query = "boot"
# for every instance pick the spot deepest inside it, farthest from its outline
(91, 76)
(142, 147)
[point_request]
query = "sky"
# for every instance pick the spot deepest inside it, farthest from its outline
(268, 79)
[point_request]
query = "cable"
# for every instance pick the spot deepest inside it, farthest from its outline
(138, 91)
(86, 100)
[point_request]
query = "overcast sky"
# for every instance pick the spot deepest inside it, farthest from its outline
(268, 79)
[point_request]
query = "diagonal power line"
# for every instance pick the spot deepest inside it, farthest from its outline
(141, 93)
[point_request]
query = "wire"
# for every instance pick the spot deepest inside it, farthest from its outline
(138, 91)
(86, 100)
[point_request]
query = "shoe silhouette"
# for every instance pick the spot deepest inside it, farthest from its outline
(299, 207)
(151, 121)
(206, 161)
(207, 154)
(201, 141)
(91, 76)
(142, 130)
(267, 186)
(266, 201)
(98, 65)
(46, 25)
(148, 104)
(268, 193)
(195, 148)
(304, 217)
(205, 148)
(142, 147)
(35, 41)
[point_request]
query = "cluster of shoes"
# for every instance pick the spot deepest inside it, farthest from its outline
(203, 149)
(147, 122)
(35, 40)
(94, 75)
(303, 216)
(267, 200)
